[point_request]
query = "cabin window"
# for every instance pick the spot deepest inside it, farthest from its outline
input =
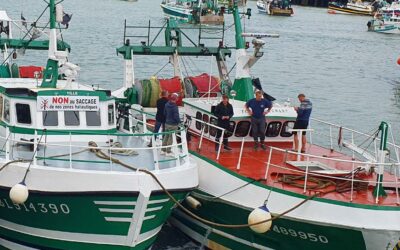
(231, 128)
(213, 130)
(6, 114)
(50, 118)
(273, 129)
(23, 113)
(198, 123)
(242, 128)
(110, 112)
(71, 118)
(1, 106)
(206, 120)
(93, 118)
(286, 127)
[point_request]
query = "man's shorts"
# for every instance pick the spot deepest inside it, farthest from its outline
(300, 125)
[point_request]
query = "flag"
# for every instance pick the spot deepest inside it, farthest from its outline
(23, 20)
(66, 19)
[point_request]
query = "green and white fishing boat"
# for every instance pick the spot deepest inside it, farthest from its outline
(343, 196)
(75, 171)
(194, 11)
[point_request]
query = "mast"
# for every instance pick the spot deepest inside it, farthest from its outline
(243, 84)
(378, 190)
(57, 60)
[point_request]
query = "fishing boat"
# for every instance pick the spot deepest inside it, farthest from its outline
(194, 11)
(343, 196)
(342, 193)
(275, 8)
(385, 23)
(357, 8)
(75, 171)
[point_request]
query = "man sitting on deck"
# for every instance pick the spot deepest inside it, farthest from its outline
(256, 109)
(303, 117)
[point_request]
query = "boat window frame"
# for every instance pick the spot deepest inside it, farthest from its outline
(92, 112)
(213, 130)
(79, 118)
(198, 124)
(24, 115)
(247, 130)
(206, 120)
(284, 132)
(268, 129)
(44, 120)
(112, 115)
(1, 107)
(7, 110)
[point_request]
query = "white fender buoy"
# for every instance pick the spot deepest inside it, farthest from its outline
(192, 202)
(19, 193)
(260, 214)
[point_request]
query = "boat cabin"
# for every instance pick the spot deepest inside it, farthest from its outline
(24, 108)
(200, 113)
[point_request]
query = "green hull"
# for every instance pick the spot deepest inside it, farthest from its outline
(84, 220)
(285, 234)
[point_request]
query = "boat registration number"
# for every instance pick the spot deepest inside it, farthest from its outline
(36, 207)
(299, 234)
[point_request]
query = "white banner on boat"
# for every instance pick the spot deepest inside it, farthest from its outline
(67, 103)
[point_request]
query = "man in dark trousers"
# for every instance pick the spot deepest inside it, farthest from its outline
(257, 108)
(303, 117)
(172, 121)
(160, 116)
(224, 112)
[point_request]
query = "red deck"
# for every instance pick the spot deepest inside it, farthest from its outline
(254, 163)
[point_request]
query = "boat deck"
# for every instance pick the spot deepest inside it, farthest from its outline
(254, 165)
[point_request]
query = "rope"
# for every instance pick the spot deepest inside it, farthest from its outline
(102, 155)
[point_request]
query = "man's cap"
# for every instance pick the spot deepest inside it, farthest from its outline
(174, 96)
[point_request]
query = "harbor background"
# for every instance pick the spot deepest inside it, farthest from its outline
(350, 74)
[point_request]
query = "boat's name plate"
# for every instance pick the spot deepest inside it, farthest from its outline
(68, 103)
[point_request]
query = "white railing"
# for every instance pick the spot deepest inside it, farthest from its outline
(341, 136)
(65, 150)
(201, 134)
(352, 180)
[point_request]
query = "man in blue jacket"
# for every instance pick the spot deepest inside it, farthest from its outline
(303, 117)
(172, 121)
(160, 116)
(258, 108)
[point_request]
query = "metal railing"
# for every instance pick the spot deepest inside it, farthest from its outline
(70, 154)
(354, 163)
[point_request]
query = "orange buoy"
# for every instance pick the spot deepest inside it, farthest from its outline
(331, 12)
(398, 61)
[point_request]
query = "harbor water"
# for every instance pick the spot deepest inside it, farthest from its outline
(350, 75)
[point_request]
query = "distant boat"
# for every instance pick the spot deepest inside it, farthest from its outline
(194, 11)
(387, 20)
(356, 8)
(275, 8)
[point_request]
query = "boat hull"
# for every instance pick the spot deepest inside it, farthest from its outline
(318, 224)
(82, 209)
(176, 12)
(344, 10)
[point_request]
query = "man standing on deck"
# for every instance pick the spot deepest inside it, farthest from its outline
(160, 117)
(172, 121)
(224, 112)
(256, 108)
(303, 117)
